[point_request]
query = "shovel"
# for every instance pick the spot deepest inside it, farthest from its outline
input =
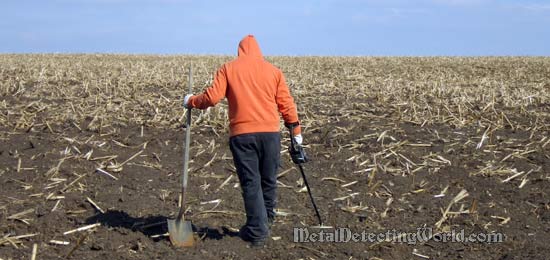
(181, 230)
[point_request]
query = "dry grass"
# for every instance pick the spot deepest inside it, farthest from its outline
(361, 108)
(105, 91)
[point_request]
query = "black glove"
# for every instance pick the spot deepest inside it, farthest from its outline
(296, 150)
(297, 153)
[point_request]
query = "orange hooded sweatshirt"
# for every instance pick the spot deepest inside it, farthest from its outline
(256, 92)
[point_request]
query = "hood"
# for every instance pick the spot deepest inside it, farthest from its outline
(249, 47)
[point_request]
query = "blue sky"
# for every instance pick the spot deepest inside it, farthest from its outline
(283, 27)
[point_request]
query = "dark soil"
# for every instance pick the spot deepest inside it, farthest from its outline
(392, 141)
(146, 193)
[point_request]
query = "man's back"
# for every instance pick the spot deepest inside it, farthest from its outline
(256, 92)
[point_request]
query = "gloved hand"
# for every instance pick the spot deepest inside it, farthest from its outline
(298, 139)
(297, 152)
(186, 100)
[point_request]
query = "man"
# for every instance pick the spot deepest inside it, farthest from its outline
(256, 92)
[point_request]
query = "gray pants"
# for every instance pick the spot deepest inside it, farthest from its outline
(256, 157)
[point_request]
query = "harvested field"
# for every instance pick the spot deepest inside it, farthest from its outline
(95, 142)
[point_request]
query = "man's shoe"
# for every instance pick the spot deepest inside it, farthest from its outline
(257, 243)
(254, 243)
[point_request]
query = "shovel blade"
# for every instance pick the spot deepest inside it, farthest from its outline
(181, 233)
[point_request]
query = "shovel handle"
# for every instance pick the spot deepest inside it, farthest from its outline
(186, 151)
(187, 134)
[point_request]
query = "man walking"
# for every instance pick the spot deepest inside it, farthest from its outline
(256, 92)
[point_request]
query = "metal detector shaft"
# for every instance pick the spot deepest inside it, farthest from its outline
(293, 145)
(310, 195)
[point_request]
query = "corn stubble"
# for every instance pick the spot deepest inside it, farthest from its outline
(368, 119)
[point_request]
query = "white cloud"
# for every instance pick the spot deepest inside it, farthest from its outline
(405, 12)
(125, 1)
(535, 7)
(461, 2)
(388, 15)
